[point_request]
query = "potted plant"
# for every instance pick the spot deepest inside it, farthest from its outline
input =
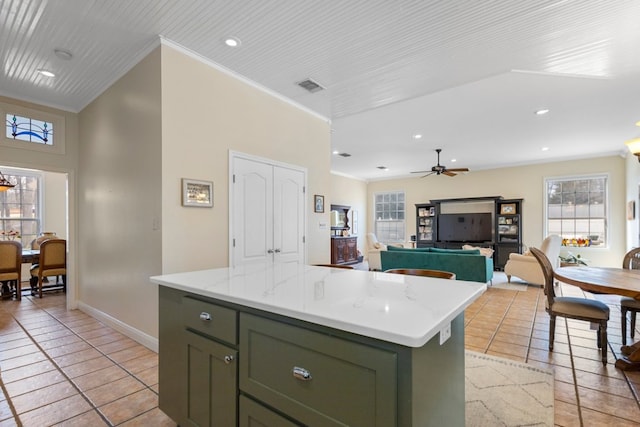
(571, 260)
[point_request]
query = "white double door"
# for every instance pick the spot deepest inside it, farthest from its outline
(268, 215)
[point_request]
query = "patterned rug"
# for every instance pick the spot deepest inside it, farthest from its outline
(502, 392)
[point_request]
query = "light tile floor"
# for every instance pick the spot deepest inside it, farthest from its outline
(60, 367)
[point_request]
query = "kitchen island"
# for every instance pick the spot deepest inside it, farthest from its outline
(290, 345)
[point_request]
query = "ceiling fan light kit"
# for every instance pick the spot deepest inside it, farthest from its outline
(439, 169)
(634, 146)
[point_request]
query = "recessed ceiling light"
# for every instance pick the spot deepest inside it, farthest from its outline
(417, 136)
(638, 123)
(454, 160)
(46, 73)
(545, 148)
(63, 54)
(336, 152)
(232, 42)
(384, 168)
(542, 112)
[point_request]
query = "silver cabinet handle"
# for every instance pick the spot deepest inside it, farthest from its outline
(277, 251)
(205, 316)
(301, 374)
(228, 359)
(269, 251)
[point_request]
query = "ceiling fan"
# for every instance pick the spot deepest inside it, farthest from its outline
(439, 169)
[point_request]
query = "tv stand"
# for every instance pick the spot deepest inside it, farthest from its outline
(506, 224)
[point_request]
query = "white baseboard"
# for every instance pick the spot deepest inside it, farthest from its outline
(145, 339)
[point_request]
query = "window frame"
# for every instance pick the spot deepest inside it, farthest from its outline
(607, 204)
(8, 171)
(383, 237)
(57, 121)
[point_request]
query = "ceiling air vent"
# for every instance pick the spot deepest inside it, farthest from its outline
(344, 154)
(310, 85)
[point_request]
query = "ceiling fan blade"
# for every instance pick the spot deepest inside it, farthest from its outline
(424, 176)
(448, 173)
(458, 170)
(421, 172)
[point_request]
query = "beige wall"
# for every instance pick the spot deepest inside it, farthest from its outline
(206, 113)
(120, 178)
(349, 192)
(55, 204)
(632, 190)
(525, 182)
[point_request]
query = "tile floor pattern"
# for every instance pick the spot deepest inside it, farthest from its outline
(62, 367)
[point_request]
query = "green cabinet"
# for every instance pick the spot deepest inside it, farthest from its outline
(253, 414)
(211, 375)
(224, 364)
(316, 378)
(198, 361)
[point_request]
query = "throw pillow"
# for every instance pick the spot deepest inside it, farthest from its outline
(488, 252)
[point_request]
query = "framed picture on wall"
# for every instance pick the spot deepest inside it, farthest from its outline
(197, 193)
(318, 203)
(354, 222)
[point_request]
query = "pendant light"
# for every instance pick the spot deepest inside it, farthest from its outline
(5, 184)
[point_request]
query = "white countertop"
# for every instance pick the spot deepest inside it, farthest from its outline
(406, 310)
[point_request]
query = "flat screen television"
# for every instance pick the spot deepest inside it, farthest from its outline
(465, 227)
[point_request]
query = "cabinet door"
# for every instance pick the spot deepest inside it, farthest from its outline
(352, 250)
(340, 246)
(211, 382)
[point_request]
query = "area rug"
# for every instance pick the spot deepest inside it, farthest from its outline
(502, 392)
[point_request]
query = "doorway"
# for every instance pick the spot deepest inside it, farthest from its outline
(44, 207)
(267, 211)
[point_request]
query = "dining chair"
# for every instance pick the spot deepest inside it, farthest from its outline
(423, 272)
(572, 307)
(346, 267)
(52, 262)
(11, 267)
(631, 261)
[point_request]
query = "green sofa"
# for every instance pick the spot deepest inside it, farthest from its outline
(466, 264)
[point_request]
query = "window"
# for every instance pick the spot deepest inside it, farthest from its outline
(390, 216)
(577, 210)
(32, 129)
(28, 129)
(20, 206)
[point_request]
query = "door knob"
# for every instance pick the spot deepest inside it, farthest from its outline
(277, 251)
(269, 251)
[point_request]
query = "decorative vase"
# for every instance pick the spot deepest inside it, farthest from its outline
(45, 235)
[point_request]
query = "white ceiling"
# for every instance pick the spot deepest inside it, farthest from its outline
(466, 74)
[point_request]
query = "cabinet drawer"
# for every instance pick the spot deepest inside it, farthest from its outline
(253, 414)
(347, 384)
(210, 319)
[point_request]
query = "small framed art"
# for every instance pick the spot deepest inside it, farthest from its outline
(318, 203)
(508, 208)
(197, 193)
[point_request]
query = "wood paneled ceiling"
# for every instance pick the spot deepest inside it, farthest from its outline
(467, 75)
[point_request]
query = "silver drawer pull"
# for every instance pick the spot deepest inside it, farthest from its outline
(228, 359)
(205, 316)
(301, 374)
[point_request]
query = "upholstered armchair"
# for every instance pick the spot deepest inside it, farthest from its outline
(526, 267)
(373, 251)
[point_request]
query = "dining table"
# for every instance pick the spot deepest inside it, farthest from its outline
(608, 280)
(30, 256)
